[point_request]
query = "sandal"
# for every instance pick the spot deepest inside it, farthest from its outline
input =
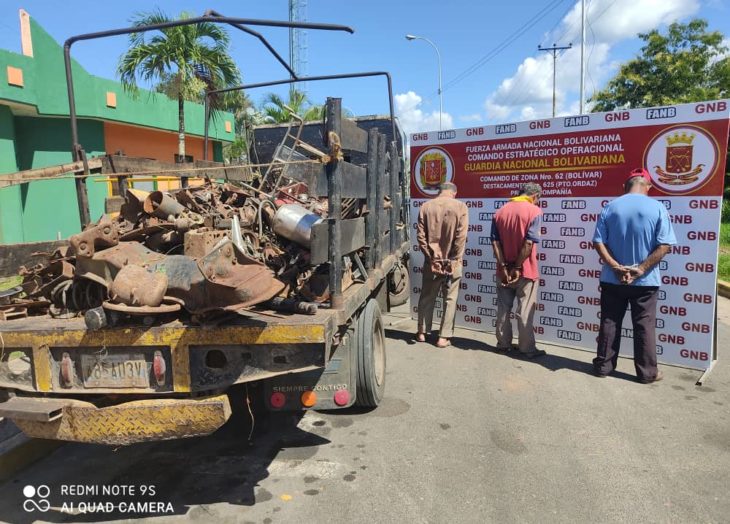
(420, 337)
(443, 343)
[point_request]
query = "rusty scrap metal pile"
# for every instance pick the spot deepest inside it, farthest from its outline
(193, 252)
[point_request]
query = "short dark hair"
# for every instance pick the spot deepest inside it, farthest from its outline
(448, 186)
(531, 189)
(635, 181)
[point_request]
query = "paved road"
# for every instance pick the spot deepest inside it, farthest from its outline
(464, 435)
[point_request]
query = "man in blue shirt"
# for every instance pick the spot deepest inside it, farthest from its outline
(632, 235)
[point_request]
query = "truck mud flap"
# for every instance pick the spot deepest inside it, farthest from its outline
(118, 425)
(333, 387)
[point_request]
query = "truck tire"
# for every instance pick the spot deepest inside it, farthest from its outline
(370, 356)
(399, 285)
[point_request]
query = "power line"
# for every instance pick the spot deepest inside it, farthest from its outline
(515, 96)
(504, 44)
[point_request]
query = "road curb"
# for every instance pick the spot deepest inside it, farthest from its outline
(723, 288)
(18, 451)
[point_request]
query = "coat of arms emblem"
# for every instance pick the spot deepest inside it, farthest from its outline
(433, 170)
(678, 168)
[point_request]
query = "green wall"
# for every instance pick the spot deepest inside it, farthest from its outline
(42, 209)
(45, 87)
(11, 213)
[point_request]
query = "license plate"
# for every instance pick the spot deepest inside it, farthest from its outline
(115, 371)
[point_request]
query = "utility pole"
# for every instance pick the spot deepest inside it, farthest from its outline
(554, 50)
(582, 55)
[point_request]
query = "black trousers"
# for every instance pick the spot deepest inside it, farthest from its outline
(614, 301)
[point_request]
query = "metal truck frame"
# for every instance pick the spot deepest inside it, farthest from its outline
(333, 359)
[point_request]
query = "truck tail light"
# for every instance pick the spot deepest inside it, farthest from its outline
(159, 368)
(342, 397)
(67, 370)
(278, 399)
(309, 399)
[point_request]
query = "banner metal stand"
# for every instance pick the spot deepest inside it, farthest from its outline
(706, 374)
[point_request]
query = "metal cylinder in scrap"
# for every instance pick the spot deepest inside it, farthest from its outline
(295, 223)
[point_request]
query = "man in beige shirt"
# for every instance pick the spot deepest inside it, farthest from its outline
(442, 226)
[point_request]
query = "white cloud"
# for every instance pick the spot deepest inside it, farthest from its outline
(528, 93)
(413, 119)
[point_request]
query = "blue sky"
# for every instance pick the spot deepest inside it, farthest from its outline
(513, 82)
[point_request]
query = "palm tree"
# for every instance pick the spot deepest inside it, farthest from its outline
(274, 110)
(183, 60)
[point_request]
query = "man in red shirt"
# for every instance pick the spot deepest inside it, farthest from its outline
(515, 234)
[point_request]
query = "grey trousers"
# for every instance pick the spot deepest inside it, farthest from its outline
(448, 286)
(526, 293)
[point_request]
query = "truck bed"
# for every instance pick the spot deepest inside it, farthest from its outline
(197, 358)
(59, 356)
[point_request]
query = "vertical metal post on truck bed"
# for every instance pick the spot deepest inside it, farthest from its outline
(334, 201)
(371, 219)
(394, 200)
(379, 187)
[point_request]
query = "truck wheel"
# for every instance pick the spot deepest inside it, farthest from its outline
(399, 285)
(370, 356)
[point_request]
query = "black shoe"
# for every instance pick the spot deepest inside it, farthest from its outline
(535, 354)
(657, 378)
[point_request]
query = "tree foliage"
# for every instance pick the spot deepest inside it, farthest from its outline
(182, 61)
(274, 107)
(687, 64)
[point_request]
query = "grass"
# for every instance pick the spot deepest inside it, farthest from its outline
(723, 266)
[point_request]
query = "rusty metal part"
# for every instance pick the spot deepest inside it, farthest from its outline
(105, 265)
(150, 228)
(211, 275)
(237, 279)
(248, 214)
(170, 307)
(162, 205)
(132, 207)
(135, 286)
(51, 277)
(164, 241)
(199, 242)
(103, 234)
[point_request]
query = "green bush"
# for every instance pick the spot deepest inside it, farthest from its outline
(725, 237)
(723, 265)
(726, 210)
(723, 268)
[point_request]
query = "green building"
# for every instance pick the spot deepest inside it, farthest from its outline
(35, 132)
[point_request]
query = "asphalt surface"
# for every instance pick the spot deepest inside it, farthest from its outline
(464, 434)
